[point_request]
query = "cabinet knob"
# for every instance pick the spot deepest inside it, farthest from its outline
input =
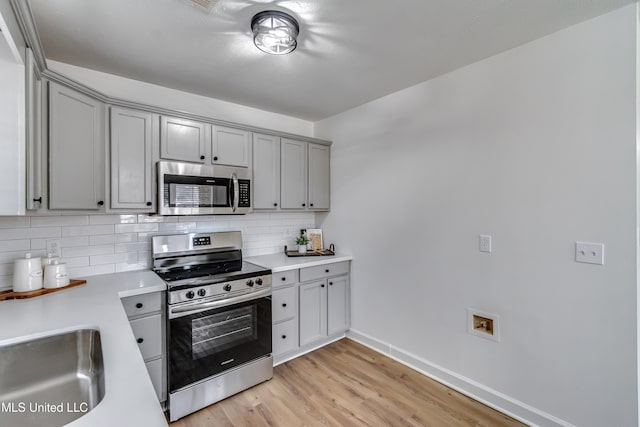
(303, 205)
(330, 283)
(311, 204)
(39, 199)
(201, 157)
(101, 202)
(322, 286)
(275, 204)
(149, 203)
(140, 340)
(284, 278)
(139, 305)
(215, 158)
(284, 337)
(327, 270)
(284, 304)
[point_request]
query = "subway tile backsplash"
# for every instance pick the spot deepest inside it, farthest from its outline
(100, 244)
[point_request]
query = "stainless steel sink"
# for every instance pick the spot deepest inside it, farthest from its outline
(51, 381)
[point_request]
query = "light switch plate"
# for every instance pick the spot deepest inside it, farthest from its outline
(591, 253)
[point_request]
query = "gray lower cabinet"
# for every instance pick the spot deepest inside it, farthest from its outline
(146, 316)
(310, 307)
(76, 150)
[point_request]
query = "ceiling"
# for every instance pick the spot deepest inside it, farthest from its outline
(349, 51)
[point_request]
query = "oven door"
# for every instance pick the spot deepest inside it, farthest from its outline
(208, 338)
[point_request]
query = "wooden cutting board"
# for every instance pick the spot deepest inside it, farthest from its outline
(320, 252)
(5, 295)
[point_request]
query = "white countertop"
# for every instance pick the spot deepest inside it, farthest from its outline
(281, 262)
(130, 399)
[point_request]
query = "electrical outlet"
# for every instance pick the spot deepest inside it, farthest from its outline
(591, 253)
(53, 247)
(482, 324)
(485, 243)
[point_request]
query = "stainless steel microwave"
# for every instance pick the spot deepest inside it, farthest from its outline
(192, 189)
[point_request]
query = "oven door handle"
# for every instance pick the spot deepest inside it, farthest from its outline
(181, 311)
(236, 192)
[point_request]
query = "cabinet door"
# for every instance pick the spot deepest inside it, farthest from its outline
(318, 176)
(34, 133)
(76, 150)
(155, 369)
(131, 164)
(337, 304)
(230, 147)
(182, 139)
(266, 171)
(283, 304)
(293, 186)
(148, 334)
(313, 312)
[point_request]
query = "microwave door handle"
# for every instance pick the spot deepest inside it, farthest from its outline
(236, 192)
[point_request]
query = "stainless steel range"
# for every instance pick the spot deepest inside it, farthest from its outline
(219, 318)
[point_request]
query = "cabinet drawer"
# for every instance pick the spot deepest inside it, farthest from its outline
(285, 337)
(284, 278)
(148, 333)
(155, 373)
(142, 304)
(283, 304)
(323, 271)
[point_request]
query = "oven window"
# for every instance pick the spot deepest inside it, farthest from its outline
(221, 331)
(207, 343)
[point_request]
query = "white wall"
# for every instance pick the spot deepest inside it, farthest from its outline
(536, 147)
(147, 93)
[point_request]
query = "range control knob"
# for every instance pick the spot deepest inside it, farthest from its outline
(250, 283)
(227, 287)
(190, 295)
(258, 281)
(202, 292)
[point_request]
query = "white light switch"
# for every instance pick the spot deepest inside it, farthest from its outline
(591, 253)
(485, 243)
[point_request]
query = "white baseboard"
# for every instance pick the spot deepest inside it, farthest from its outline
(483, 394)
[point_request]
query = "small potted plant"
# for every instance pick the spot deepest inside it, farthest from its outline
(302, 241)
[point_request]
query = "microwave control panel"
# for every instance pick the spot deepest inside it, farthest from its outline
(243, 186)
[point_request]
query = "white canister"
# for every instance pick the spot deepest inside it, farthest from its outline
(27, 274)
(55, 275)
(49, 260)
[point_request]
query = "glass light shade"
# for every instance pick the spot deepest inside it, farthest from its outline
(275, 32)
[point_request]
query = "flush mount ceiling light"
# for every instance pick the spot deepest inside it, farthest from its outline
(275, 32)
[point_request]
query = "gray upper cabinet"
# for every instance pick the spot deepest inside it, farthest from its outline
(132, 139)
(318, 190)
(76, 150)
(230, 147)
(35, 187)
(293, 184)
(182, 139)
(266, 171)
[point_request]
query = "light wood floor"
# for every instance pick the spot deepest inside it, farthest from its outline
(347, 384)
